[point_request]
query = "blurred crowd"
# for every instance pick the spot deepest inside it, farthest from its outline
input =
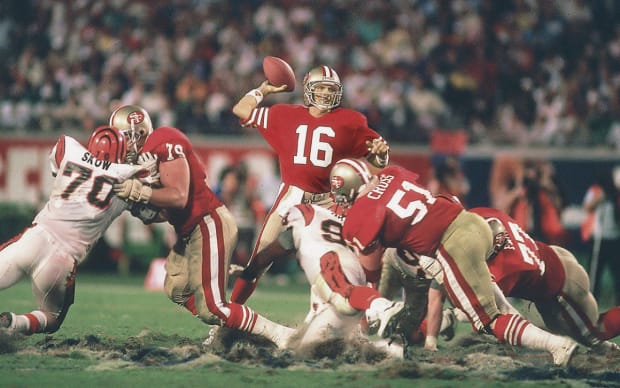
(522, 72)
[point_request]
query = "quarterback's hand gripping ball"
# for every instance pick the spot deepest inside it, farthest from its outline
(279, 73)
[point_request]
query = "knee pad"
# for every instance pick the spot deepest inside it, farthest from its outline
(176, 289)
(176, 283)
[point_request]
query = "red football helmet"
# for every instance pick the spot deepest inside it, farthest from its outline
(108, 143)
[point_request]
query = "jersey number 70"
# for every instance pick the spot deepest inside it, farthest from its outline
(83, 175)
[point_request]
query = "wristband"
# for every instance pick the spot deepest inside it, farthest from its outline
(430, 342)
(257, 94)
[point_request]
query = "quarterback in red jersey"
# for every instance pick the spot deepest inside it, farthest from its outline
(552, 278)
(197, 266)
(393, 210)
(308, 140)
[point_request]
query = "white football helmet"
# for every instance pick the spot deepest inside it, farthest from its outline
(327, 98)
(134, 122)
(347, 178)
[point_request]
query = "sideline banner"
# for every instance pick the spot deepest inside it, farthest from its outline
(25, 174)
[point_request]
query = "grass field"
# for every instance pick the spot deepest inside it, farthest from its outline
(119, 335)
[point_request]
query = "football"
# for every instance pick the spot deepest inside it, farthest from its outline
(279, 72)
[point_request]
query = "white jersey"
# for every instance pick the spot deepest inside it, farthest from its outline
(82, 203)
(315, 232)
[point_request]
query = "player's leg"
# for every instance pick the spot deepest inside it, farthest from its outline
(16, 255)
(209, 252)
(176, 282)
(323, 323)
(288, 196)
(467, 280)
(341, 283)
(390, 286)
(574, 311)
(52, 273)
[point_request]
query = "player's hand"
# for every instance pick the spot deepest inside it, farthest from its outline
(133, 190)
(151, 180)
(267, 88)
(148, 161)
(378, 147)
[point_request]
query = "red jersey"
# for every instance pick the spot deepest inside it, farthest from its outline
(524, 268)
(399, 213)
(308, 146)
(169, 144)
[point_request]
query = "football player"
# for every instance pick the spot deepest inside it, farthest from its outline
(415, 279)
(339, 291)
(308, 140)
(552, 278)
(81, 206)
(393, 210)
(206, 232)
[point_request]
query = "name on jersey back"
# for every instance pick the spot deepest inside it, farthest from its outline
(90, 159)
(384, 182)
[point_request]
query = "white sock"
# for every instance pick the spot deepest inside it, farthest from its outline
(536, 338)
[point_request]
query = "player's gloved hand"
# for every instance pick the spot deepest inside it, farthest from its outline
(133, 190)
(148, 161)
(378, 148)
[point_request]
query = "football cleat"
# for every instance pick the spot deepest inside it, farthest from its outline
(564, 353)
(387, 325)
(212, 336)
